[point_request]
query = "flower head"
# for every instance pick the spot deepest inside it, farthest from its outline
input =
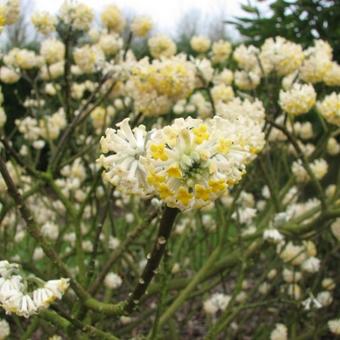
(191, 163)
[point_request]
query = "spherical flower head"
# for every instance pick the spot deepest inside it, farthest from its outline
(281, 56)
(113, 281)
(43, 22)
(325, 298)
(156, 86)
(79, 15)
(291, 276)
(329, 108)
(87, 57)
(318, 61)
(225, 77)
(247, 80)
(298, 100)
(112, 18)
(273, 235)
(110, 43)
(319, 168)
(122, 164)
(222, 93)
(311, 265)
(253, 110)
(22, 58)
(191, 163)
(217, 302)
(51, 127)
(246, 57)
(332, 75)
(5, 330)
(52, 51)
(293, 254)
(51, 72)
(279, 333)
(12, 11)
(141, 26)
(200, 44)
(50, 230)
(161, 46)
(220, 51)
(334, 326)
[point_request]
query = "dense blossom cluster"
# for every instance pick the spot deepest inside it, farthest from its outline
(15, 297)
(187, 164)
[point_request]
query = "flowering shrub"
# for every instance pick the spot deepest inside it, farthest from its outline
(174, 196)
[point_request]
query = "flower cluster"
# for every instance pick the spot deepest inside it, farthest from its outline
(187, 164)
(156, 86)
(15, 297)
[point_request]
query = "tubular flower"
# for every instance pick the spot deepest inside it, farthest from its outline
(191, 163)
(123, 167)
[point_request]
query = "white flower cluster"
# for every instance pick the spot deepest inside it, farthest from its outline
(155, 87)
(14, 297)
(77, 14)
(280, 55)
(298, 99)
(329, 108)
(217, 302)
(47, 128)
(187, 164)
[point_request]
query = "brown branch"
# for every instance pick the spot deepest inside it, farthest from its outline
(157, 253)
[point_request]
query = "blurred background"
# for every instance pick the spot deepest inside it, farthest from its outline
(239, 21)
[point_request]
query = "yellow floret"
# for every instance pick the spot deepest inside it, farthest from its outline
(183, 196)
(223, 145)
(158, 152)
(164, 191)
(201, 192)
(155, 179)
(201, 133)
(174, 171)
(217, 185)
